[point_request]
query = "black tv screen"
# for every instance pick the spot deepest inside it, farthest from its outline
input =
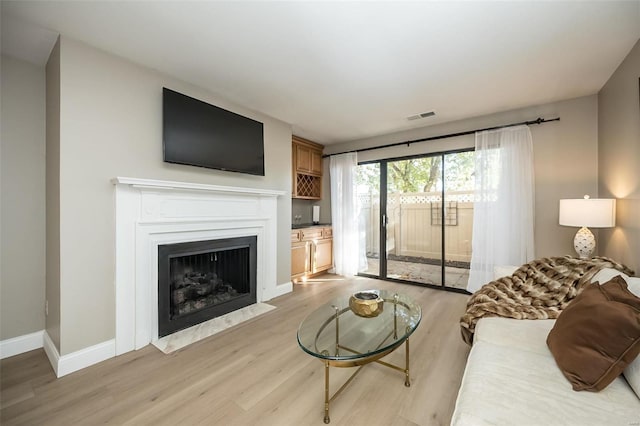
(200, 134)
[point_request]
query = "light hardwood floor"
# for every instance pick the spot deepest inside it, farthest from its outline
(251, 374)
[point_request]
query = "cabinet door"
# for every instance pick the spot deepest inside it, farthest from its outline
(303, 159)
(316, 162)
(299, 259)
(323, 255)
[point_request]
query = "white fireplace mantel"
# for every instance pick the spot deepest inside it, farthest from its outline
(150, 213)
(189, 186)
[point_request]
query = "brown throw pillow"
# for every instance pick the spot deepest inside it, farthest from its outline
(597, 335)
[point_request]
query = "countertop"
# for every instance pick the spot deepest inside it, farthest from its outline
(308, 225)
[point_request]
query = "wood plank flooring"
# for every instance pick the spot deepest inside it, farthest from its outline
(251, 374)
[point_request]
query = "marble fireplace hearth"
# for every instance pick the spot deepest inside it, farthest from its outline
(182, 338)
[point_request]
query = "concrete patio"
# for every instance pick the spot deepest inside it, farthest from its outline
(420, 272)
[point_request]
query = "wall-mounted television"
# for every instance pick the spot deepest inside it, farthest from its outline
(200, 134)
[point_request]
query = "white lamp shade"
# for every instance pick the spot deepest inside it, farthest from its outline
(591, 212)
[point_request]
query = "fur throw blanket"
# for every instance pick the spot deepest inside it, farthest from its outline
(540, 289)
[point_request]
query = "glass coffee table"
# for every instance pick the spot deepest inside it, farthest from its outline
(376, 324)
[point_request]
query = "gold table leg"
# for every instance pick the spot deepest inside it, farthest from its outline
(326, 392)
(327, 363)
(407, 381)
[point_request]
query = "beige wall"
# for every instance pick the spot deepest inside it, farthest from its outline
(619, 159)
(111, 125)
(22, 180)
(52, 293)
(565, 158)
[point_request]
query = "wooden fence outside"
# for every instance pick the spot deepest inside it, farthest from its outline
(415, 224)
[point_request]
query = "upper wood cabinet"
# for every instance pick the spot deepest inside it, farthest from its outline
(307, 169)
(308, 160)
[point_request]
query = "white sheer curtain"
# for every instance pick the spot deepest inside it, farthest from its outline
(503, 203)
(344, 215)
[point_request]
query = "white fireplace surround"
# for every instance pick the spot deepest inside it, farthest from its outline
(150, 213)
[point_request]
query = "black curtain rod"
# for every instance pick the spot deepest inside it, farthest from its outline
(450, 135)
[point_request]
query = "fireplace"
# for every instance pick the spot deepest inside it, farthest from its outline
(201, 280)
(152, 213)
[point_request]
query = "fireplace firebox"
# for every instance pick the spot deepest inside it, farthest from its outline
(201, 280)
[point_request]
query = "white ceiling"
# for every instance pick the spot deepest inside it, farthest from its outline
(339, 71)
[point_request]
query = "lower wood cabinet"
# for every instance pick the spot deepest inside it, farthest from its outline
(300, 258)
(323, 255)
(311, 252)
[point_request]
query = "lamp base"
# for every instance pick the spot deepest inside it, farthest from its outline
(584, 242)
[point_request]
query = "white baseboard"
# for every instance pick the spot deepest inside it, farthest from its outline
(279, 290)
(21, 344)
(52, 352)
(67, 364)
(86, 357)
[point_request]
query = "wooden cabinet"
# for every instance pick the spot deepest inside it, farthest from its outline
(323, 255)
(300, 257)
(311, 251)
(307, 169)
(316, 162)
(308, 156)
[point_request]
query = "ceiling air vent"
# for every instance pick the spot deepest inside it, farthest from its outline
(422, 115)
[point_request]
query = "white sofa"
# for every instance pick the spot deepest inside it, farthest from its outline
(511, 378)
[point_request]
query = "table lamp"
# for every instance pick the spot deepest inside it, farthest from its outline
(593, 212)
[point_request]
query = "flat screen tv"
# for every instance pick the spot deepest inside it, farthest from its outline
(200, 134)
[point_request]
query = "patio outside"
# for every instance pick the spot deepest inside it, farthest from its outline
(417, 221)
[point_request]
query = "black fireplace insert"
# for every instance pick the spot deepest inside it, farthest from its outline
(201, 280)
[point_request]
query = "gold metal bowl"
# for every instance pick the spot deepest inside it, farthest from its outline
(367, 304)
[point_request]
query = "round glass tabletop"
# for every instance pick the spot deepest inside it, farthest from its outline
(335, 332)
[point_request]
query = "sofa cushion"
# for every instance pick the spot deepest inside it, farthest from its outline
(597, 335)
(605, 274)
(526, 335)
(519, 383)
(634, 285)
(632, 372)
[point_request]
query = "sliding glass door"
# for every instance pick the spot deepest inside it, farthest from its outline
(457, 221)
(413, 234)
(415, 218)
(368, 193)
